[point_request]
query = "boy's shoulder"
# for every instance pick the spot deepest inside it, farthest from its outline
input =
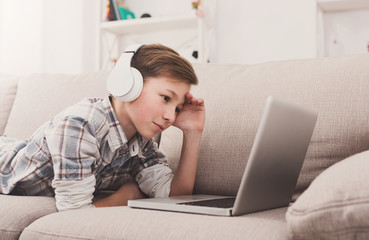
(92, 110)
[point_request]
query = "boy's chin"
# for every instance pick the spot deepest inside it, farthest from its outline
(147, 135)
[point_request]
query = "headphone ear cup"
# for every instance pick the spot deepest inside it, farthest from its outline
(136, 87)
(124, 82)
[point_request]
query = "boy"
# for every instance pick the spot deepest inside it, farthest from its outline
(105, 144)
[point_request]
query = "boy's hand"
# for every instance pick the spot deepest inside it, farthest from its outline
(191, 118)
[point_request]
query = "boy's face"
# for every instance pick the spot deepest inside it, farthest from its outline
(158, 105)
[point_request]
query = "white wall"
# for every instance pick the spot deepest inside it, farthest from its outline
(250, 31)
(47, 36)
(21, 36)
(69, 36)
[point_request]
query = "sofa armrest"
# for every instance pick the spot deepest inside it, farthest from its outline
(8, 86)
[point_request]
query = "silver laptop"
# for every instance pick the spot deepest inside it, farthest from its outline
(271, 171)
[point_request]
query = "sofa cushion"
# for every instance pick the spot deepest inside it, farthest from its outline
(127, 223)
(17, 212)
(8, 86)
(41, 96)
(336, 205)
(235, 95)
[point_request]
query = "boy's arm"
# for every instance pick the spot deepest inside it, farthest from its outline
(191, 121)
(126, 192)
(73, 152)
(184, 178)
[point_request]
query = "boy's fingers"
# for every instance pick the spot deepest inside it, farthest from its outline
(198, 101)
(189, 98)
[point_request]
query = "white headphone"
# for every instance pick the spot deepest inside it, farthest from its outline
(125, 82)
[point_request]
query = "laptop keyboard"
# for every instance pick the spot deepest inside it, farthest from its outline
(218, 203)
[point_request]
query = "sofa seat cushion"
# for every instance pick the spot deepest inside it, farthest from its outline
(127, 223)
(17, 212)
(336, 205)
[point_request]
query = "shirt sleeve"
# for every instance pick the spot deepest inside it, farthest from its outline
(151, 171)
(155, 181)
(74, 151)
(76, 194)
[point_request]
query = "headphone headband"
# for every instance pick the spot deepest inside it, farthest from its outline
(133, 48)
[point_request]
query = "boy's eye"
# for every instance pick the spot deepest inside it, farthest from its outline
(178, 110)
(166, 98)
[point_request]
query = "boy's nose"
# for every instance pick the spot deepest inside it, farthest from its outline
(169, 115)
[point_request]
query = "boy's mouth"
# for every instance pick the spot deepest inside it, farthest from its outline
(160, 128)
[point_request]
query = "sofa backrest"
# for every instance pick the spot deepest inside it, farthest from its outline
(41, 96)
(338, 88)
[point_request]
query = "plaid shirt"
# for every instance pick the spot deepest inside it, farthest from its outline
(83, 146)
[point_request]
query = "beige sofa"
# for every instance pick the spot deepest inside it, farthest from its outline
(335, 206)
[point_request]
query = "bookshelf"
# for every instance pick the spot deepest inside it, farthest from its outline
(147, 25)
(114, 35)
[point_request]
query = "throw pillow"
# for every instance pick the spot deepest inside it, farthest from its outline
(336, 204)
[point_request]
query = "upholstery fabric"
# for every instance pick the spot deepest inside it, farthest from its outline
(337, 88)
(17, 212)
(41, 96)
(126, 223)
(8, 86)
(336, 205)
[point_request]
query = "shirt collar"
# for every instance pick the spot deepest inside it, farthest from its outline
(116, 137)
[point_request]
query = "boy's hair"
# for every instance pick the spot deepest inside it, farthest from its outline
(156, 60)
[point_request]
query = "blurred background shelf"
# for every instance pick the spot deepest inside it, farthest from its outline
(147, 25)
